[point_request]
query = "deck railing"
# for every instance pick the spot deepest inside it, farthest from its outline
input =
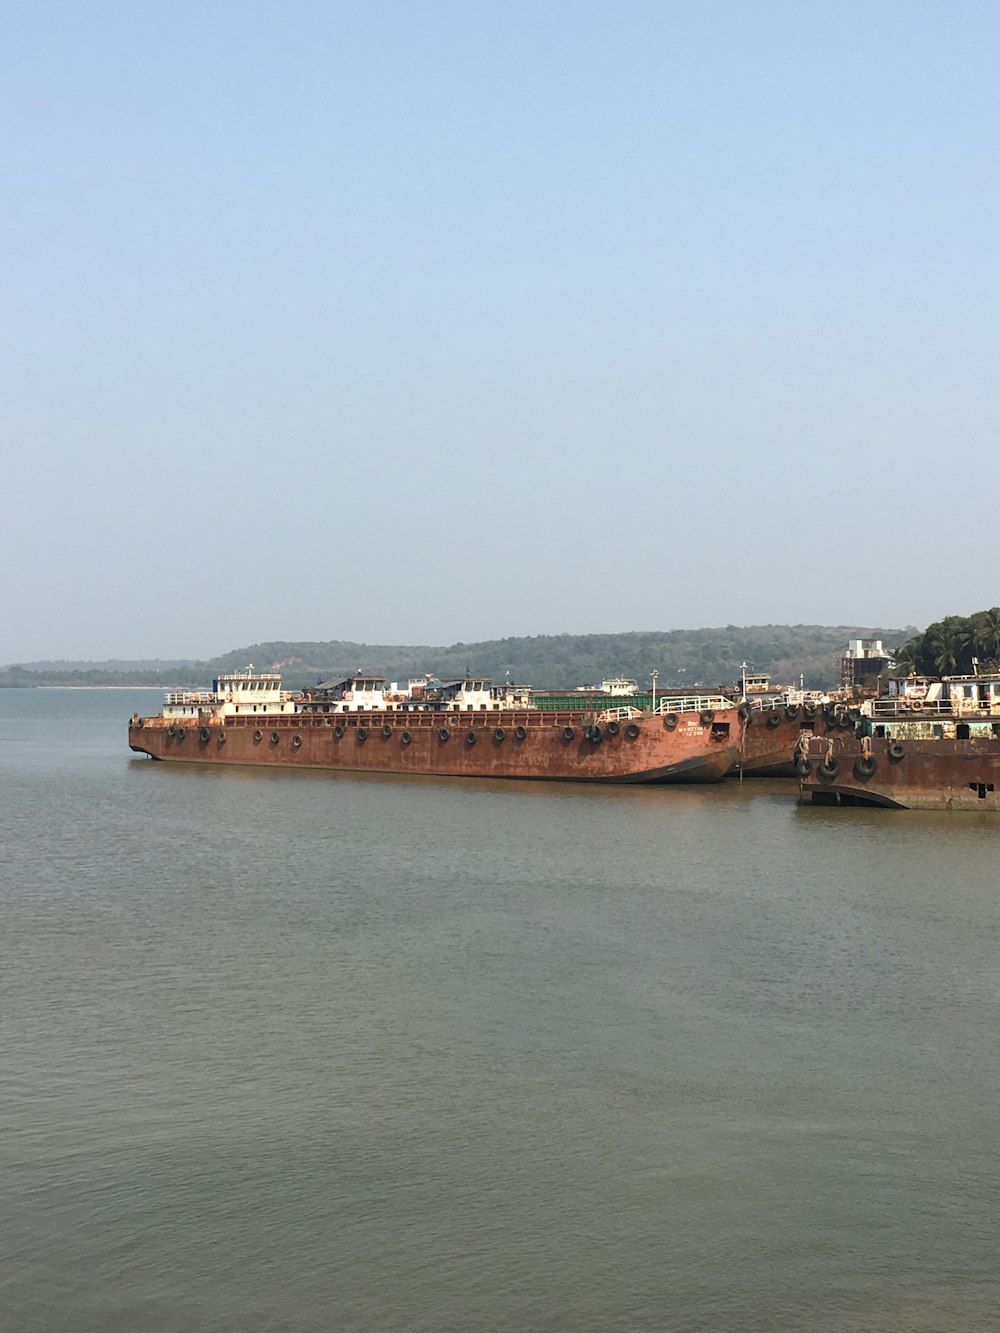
(692, 703)
(764, 703)
(914, 709)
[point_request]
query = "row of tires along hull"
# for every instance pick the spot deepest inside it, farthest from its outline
(592, 733)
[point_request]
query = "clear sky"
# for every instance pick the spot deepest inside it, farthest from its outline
(419, 323)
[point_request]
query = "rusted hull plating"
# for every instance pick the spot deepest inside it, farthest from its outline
(908, 774)
(768, 741)
(771, 735)
(552, 746)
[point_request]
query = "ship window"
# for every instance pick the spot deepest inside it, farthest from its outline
(962, 731)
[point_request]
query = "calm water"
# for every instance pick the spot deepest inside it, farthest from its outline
(309, 1052)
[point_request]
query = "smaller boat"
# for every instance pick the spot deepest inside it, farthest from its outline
(926, 745)
(619, 685)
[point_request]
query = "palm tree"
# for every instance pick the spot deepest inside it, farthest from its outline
(949, 643)
(907, 657)
(987, 637)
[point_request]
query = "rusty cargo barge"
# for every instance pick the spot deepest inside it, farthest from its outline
(926, 746)
(465, 728)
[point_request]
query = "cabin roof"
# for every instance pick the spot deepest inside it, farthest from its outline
(247, 675)
(340, 683)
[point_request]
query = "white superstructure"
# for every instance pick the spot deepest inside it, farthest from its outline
(237, 692)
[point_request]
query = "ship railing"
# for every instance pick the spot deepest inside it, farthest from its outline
(692, 703)
(177, 697)
(767, 704)
(905, 707)
(618, 714)
(785, 698)
(916, 708)
(404, 719)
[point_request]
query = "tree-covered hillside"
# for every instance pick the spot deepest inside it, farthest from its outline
(681, 657)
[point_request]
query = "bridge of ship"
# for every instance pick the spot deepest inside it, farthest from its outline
(970, 710)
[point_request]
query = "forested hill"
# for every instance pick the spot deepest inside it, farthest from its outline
(681, 657)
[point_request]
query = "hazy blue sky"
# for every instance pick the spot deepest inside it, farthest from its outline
(446, 321)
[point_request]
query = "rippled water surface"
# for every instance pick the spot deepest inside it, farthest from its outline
(316, 1052)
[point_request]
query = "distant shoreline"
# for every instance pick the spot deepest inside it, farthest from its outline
(157, 688)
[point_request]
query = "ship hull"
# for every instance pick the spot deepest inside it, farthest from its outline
(771, 736)
(501, 744)
(932, 774)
